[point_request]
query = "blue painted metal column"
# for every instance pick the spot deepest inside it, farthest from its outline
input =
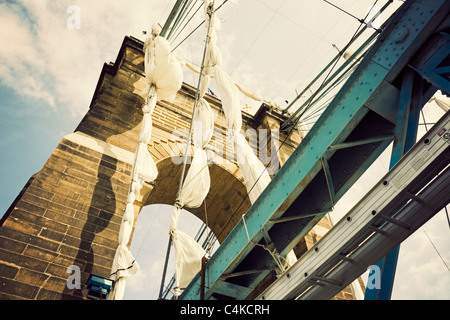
(407, 122)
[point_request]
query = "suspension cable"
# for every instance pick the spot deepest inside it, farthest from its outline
(337, 57)
(178, 32)
(184, 13)
(193, 31)
(188, 142)
(445, 209)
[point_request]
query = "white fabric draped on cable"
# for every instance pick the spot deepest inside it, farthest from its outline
(254, 173)
(164, 76)
(441, 100)
(195, 188)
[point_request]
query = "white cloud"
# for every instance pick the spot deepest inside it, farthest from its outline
(421, 273)
(21, 66)
(45, 60)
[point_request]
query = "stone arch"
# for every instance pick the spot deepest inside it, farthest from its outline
(70, 212)
(226, 201)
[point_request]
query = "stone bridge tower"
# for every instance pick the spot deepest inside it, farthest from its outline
(69, 213)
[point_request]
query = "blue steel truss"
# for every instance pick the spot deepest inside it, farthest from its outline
(378, 105)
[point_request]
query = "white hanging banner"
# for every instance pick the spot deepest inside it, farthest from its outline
(188, 254)
(162, 68)
(251, 94)
(254, 172)
(203, 124)
(441, 100)
(197, 181)
(164, 76)
(124, 264)
(195, 188)
(145, 166)
(196, 184)
(229, 96)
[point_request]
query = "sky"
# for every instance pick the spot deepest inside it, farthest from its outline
(49, 68)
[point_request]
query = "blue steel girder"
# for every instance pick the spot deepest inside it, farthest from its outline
(434, 63)
(348, 138)
(409, 102)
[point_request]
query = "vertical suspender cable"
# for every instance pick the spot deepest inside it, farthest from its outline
(328, 66)
(178, 18)
(196, 28)
(171, 18)
(188, 142)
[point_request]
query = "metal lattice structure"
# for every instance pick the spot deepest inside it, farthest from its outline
(379, 104)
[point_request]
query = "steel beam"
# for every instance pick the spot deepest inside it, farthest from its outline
(434, 63)
(376, 245)
(361, 142)
(410, 102)
(388, 264)
(385, 217)
(300, 186)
